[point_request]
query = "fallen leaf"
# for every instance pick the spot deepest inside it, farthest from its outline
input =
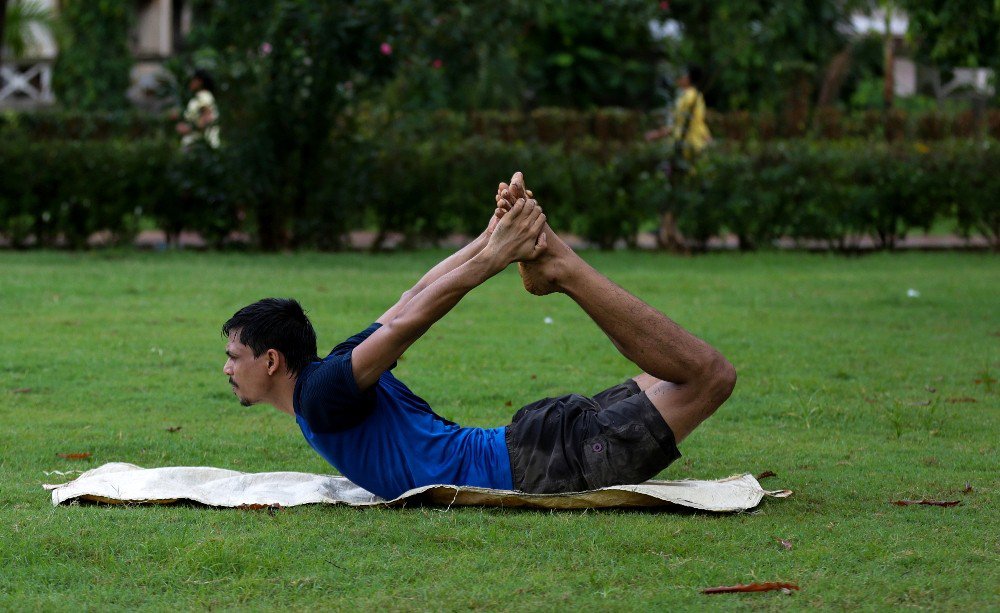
(933, 503)
(968, 488)
(787, 544)
(766, 474)
(922, 403)
(74, 456)
(22, 390)
(752, 587)
(174, 428)
(960, 399)
(988, 380)
(508, 403)
(534, 376)
(930, 389)
(256, 506)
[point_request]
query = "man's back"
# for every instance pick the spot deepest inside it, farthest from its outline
(387, 439)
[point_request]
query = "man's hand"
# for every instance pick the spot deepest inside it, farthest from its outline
(497, 214)
(518, 234)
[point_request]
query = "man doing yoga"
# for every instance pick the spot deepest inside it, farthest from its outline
(369, 425)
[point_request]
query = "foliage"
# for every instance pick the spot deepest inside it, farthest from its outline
(288, 68)
(80, 187)
(955, 33)
(397, 179)
(839, 193)
(585, 54)
(92, 70)
(285, 67)
(756, 54)
(48, 124)
(19, 23)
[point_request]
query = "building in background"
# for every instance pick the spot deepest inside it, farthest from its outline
(157, 34)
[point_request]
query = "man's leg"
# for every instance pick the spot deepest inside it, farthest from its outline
(684, 377)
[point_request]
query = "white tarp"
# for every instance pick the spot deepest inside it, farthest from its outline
(120, 483)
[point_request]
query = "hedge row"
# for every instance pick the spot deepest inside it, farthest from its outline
(83, 125)
(427, 189)
(558, 125)
(839, 192)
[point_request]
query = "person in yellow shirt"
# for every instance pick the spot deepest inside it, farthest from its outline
(688, 129)
(690, 135)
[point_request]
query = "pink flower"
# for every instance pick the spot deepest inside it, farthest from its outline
(437, 63)
(266, 49)
(664, 6)
(385, 48)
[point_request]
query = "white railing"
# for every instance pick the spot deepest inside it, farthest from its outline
(26, 84)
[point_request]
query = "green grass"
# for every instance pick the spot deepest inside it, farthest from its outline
(847, 391)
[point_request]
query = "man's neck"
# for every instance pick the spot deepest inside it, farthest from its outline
(282, 395)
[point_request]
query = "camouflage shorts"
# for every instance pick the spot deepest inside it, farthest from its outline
(575, 443)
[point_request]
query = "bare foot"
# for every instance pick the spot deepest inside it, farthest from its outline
(541, 275)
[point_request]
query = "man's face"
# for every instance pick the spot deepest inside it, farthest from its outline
(247, 374)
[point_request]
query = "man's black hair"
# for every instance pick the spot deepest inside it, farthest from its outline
(694, 75)
(275, 323)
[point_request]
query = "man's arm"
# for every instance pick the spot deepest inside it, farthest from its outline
(516, 237)
(443, 267)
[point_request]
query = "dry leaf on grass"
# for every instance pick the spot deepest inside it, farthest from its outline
(787, 544)
(174, 428)
(22, 390)
(968, 488)
(74, 456)
(933, 503)
(256, 506)
(752, 587)
(766, 474)
(961, 399)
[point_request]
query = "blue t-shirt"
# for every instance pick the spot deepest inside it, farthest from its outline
(387, 439)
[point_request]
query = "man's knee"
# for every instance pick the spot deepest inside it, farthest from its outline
(722, 380)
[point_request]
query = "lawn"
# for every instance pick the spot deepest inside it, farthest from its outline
(853, 392)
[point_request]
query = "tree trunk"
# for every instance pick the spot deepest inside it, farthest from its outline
(833, 78)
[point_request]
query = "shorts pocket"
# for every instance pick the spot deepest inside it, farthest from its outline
(627, 454)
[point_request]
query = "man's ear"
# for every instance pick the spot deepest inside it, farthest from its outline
(275, 361)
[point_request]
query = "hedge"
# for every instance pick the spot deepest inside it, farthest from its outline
(830, 191)
(552, 125)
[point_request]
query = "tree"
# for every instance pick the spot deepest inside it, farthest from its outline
(286, 69)
(17, 21)
(955, 33)
(758, 54)
(92, 70)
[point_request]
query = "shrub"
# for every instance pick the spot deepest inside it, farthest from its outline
(396, 177)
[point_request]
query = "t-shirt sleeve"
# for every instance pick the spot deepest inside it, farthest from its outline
(354, 341)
